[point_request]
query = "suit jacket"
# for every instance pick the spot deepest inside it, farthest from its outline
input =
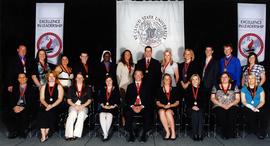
(211, 74)
(79, 67)
(114, 99)
(101, 74)
(15, 67)
(131, 94)
(30, 98)
(192, 69)
(153, 77)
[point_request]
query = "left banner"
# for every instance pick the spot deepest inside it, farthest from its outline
(49, 29)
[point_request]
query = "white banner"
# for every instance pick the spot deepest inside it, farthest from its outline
(251, 31)
(159, 24)
(49, 29)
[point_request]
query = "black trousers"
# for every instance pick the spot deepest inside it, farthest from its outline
(226, 119)
(146, 119)
(256, 121)
(18, 122)
(196, 121)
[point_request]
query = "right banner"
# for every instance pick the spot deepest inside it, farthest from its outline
(251, 31)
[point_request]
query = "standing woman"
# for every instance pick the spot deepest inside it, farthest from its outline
(124, 73)
(225, 97)
(51, 95)
(253, 68)
(170, 67)
(187, 68)
(253, 99)
(79, 98)
(195, 105)
(41, 68)
(109, 100)
(64, 72)
(167, 102)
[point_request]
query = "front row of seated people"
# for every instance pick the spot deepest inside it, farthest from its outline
(225, 98)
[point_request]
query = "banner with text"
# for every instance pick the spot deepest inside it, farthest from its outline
(251, 31)
(159, 24)
(49, 29)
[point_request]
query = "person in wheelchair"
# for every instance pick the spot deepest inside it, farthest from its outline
(225, 97)
(79, 98)
(138, 98)
(195, 106)
(109, 100)
(167, 101)
(253, 99)
(22, 101)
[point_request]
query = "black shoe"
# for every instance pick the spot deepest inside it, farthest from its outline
(143, 138)
(200, 138)
(261, 136)
(105, 139)
(131, 138)
(12, 135)
(195, 137)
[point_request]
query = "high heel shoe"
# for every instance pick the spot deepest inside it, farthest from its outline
(167, 138)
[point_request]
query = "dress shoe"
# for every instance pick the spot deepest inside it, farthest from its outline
(143, 138)
(131, 138)
(12, 135)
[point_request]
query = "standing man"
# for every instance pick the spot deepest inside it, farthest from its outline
(151, 72)
(231, 65)
(209, 72)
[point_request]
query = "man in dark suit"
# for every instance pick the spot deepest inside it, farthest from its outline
(138, 103)
(18, 64)
(85, 68)
(152, 74)
(22, 106)
(209, 72)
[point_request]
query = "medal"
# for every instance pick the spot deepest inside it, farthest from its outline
(146, 71)
(226, 63)
(252, 93)
(195, 94)
(107, 103)
(86, 76)
(51, 99)
(51, 91)
(225, 96)
(252, 102)
(225, 69)
(169, 103)
(107, 74)
(185, 75)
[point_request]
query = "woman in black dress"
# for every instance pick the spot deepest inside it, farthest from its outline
(167, 101)
(51, 95)
(109, 100)
(195, 105)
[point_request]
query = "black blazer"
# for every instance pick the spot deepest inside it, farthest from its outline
(79, 67)
(131, 94)
(190, 99)
(192, 69)
(211, 74)
(153, 77)
(162, 98)
(114, 98)
(15, 67)
(73, 96)
(30, 98)
(101, 74)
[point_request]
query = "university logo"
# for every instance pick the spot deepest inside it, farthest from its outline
(250, 42)
(51, 43)
(150, 31)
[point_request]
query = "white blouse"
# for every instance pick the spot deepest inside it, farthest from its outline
(124, 77)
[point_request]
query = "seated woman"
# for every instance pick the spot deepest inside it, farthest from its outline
(225, 97)
(51, 95)
(253, 99)
(109, 100)
(79, 98)
(195, 106)
(167, 101)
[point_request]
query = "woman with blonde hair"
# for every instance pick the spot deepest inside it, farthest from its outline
(168, 66)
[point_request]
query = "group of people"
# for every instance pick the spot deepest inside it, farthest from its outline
(129, 90)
